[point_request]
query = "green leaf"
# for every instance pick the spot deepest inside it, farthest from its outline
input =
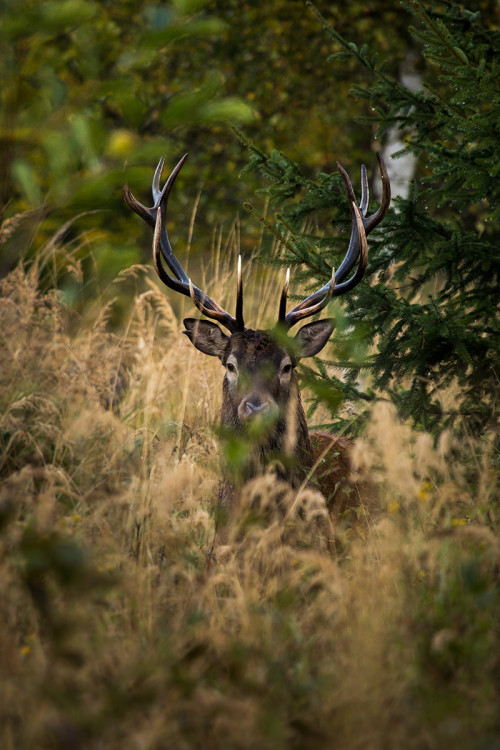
(461, 54)
(57, 16)
(25, 177)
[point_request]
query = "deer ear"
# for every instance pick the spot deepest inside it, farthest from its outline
(312, 337)
(206, 336)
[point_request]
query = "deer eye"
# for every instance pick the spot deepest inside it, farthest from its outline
(286, 369)
(231, 367)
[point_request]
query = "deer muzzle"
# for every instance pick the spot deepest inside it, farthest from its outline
(253, 405)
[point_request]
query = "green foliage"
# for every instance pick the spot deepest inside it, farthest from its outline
(82, 80)
(432, 314)
(273, 54)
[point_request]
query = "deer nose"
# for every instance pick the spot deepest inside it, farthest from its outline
(249, 408)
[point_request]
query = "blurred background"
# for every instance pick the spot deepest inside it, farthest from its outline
(94, 93)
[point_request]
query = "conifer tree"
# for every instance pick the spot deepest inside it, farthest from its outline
(430, 307)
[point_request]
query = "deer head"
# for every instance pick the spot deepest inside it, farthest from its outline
(260, 381)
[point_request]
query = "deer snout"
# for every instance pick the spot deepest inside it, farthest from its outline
(250, 407)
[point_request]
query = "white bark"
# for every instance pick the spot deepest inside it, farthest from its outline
(402, 169)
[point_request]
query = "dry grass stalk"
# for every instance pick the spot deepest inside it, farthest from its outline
(120, 631)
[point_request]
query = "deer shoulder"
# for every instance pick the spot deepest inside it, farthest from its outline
(344, 484)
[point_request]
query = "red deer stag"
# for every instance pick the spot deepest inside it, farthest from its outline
(260, 385)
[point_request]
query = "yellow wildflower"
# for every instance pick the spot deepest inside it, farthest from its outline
(424, 491)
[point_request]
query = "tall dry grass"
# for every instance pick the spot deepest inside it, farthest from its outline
(119, 630)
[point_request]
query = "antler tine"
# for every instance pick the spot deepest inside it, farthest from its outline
(305, 311)
(320, 299)
(211, 309)
(352, 253)
(173, 283)
(202, 301)
(284, 295)
(156, 180)
(239, 298)
(357, 251)
(375, 219)
(346, 286)
(162, 252)
(369, 222)
(149, 214)
(160, 197)
(365, 192)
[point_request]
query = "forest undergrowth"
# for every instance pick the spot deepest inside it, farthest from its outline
(121, 630)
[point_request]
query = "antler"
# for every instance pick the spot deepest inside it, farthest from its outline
(356, 251)
(163, 253)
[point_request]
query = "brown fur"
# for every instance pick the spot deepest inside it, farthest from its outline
(344, 486)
